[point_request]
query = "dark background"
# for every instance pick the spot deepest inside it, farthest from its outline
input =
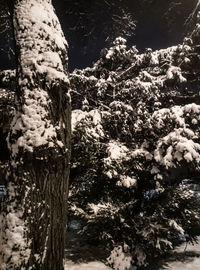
(90, 25)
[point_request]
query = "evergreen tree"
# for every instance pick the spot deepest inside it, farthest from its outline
(135, 138)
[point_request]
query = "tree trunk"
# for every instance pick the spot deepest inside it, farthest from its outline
(39, 141)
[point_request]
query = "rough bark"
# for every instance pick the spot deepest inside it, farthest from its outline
(6, 112)
(39, 141)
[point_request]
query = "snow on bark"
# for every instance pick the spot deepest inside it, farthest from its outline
(39, 137)
(15, 232)
(37, 33)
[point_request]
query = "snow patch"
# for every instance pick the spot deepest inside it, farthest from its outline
(69, 265)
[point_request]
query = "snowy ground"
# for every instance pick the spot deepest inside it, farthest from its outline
(193, 264)
(86, 266)
(189, 261)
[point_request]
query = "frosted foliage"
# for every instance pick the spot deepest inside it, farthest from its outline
(97, 208)
(174, 224)
(117, 153)
(120, 260)
(175, 72)
(42, 46)
(160, 242)
(127, 181)
(116, 150)
(179, 144)
(120, 47)
(196, 32)
(92, 122)
(77, 116)
(142, 152)
(179, 148)
(141, 256)
(177, 114)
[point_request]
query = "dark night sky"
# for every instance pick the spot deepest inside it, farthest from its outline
(160, 24)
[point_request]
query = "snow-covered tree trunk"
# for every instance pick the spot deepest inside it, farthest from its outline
(39, 140)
